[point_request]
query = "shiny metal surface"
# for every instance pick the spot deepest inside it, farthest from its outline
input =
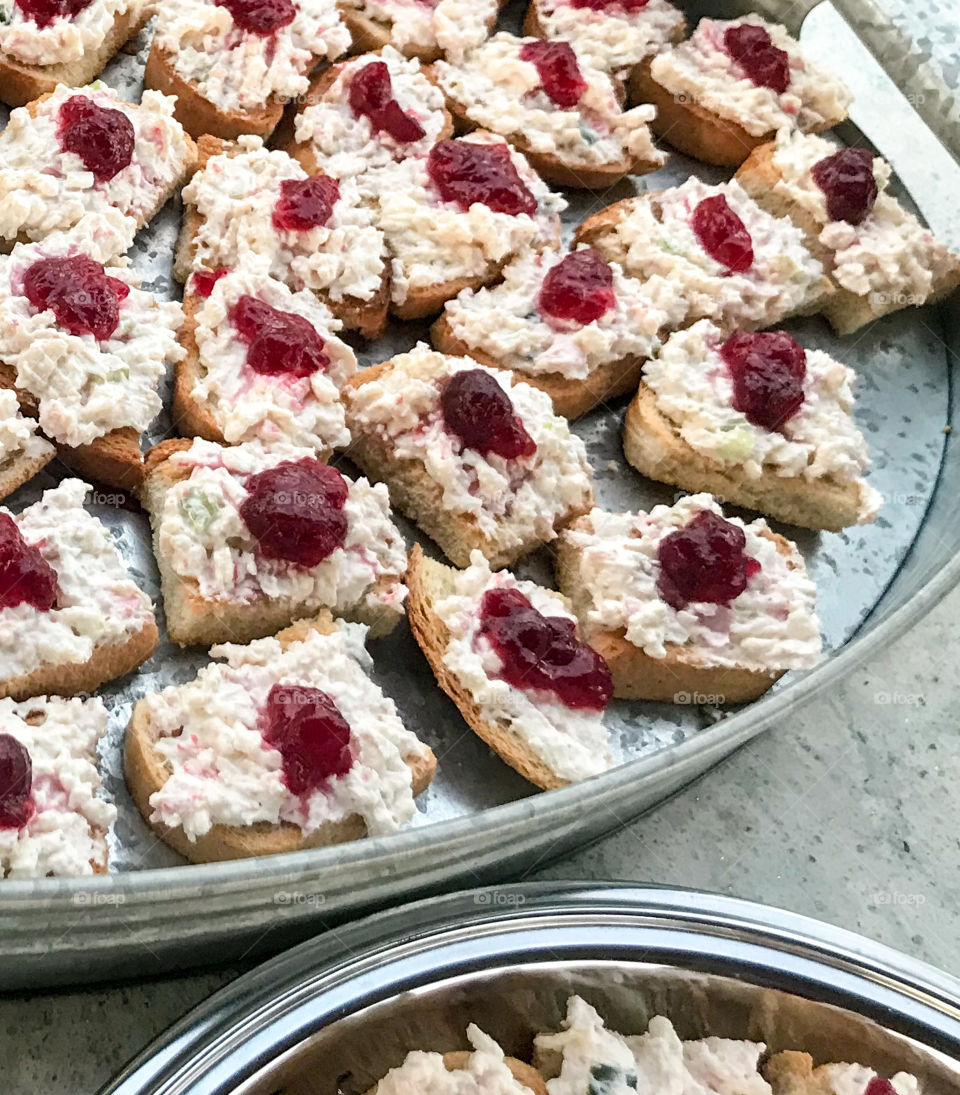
(335, 1013)
(479, 820)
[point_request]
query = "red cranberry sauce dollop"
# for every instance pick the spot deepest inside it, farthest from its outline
(846, 179)
(768, 370)
(305, 203)
(879, 1085)
(262, 17)
(278, 343)
(16, 782)
(578, 289)
(25, 576)
(543, 653)
(79, 292)
(295, 511)
(203, 281)
(628, 6)
(43, 12)
(752, 48)
(467, 171)
(722, 234)
(478, 411)
(704, 561)
(313, 738)
(102, 137)
(371, 96)
(560, 75)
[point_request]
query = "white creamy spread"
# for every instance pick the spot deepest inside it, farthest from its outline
(87, 387)
(572, 744)
(694, 390)
(66, 833)
(771, 626)
(485, 1072)
(889, 254)
(98, 602)
(235, 197)
(656, 236)
(18, 435)
(67, 37)
(251, 406)
(613, 38)
(587, 1057)
(511, 501)
(238, 70)
(432, 241)
(503, 93)
(43, 189)
(701, 70)
(346, 145)
(852, 1079)
(202, 535)
(222, 772)
(505, 322)
(453, 26)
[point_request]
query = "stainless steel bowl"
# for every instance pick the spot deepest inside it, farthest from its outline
(332, 1015)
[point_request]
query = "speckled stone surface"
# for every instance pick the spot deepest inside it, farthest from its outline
(845, 814)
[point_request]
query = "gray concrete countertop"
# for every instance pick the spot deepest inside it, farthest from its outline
(845, 814)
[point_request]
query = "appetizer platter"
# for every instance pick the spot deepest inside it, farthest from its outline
(508, 415)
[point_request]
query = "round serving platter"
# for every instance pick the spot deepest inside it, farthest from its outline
(479, 819)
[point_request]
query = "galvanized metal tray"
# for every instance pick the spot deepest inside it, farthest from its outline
(479, 819)
(334, 1015)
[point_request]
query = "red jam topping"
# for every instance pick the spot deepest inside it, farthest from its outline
(579, 288)
(16, 782)
(543, 653)
(768, 371)
(278, 343)
(371, 96)
(313, 738)
(879, 1085)
(25, 576)
(723, 235)
(305, 203)
(43, 12)
(295, 511)
(752, 48)
(846, 178)
(102, 137)
(467, 171)
(203, 281)
(560, 75)
(261, 17)
(628, 6)
(85, 300)
(704, 561)
(478, 411)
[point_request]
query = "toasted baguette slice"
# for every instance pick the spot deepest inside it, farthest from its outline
(793, 1073)
(22, 83)
(523, 1073)
(369, 35)
(369, 317)
(636, 675)
(653, 445)
(20, 468)
(146, 772)
(571, 398)
(191, 416)
(194, 619)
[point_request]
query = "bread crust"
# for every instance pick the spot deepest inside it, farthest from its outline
(19, 469)
(524, 1073)
(653, 445)
(571, 398)
(369, 317)
(417, 495)
(429, 581)
(146, 772)
(22, 83)
(636, 675)
(368, 36)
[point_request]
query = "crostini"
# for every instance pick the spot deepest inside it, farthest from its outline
(508, 655)
(248, 539)
(732, 85)
(793, 1073)
(572, 325)
(756, 420)
(280, 745)
(477, 459)
(23, 451)
(71, 618)
(685, 602)
(880, 257)
(427, 30)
